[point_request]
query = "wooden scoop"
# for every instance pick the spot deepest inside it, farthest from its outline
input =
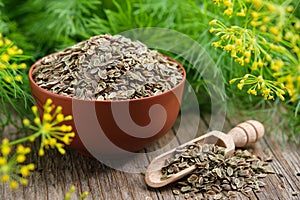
(243, 134)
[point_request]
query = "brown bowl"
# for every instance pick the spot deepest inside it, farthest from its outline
(95, 125)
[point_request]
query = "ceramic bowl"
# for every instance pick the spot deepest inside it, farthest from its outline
(110, 126)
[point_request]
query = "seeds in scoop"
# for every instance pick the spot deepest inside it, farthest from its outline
(216, 176)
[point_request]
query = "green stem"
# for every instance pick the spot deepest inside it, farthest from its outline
(24, 139)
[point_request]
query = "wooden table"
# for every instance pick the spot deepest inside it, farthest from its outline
(55, 174)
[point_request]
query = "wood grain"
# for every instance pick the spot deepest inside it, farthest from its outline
(56, 173)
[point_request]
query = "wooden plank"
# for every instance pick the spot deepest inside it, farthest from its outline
(55, 174)
(280, 185)
(165, 192)
(191, 126)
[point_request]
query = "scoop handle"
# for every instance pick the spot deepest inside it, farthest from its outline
(247, 133)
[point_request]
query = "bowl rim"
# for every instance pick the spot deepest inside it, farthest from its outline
(104, 101)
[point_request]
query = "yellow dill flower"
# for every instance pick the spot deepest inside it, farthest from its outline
(213, 22)
(276, 65)
(47, 117)
(266, 19)
(53, 142)
(11, 167)
(247, 54)
(266, 92)
(267, 88)
(242, 13)
(260, 63)
(34, 110)
(23, 150)
(254, 14)
(8, 79)
(253, 92)
(46, 127)
(241, 61)
(246, 77)
(268, 57)
(8, 53)
(297, 25)
(14, 185)
(228, 11)
(84, 194)
(254, 23)
(289, 8)
(229, 47)
(19, 51)
(239, 42)
(269, 53)
(252, 41)
(232, 81)
(289, 78)
(298, 79)
(14, 66)
(263, 28)
(3, 161)
(48, 102)
(216, 44)
(25, 171)
(65, 128)
(37, 121)
(5, 148)
(271, 7)
(18, 78)
(240, 86)
(22, 66)
(21, 158)
(7, 41)
(53, 134)
(274, 30)
(4, 57)
(11, 51)
(211, 30)
(5, 141)
(2, 66)
(69, 117)
(257, 3)
(227, 3)
(41, 152)
(31, 138)
(24, 181)
(281, 97)
(4, 178)
(60, 117)
(70, 192)
(288, 35)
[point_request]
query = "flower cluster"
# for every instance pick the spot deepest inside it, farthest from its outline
(9, 57)
(244, 46)
(277, 21)
(52, 133)
(12, 169)
(230, 6)
(267, 44)
(267, 88)
(71, 191)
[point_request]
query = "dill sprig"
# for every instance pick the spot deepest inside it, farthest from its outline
(272, 67)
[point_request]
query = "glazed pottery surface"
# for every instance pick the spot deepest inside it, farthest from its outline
(129, 125)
